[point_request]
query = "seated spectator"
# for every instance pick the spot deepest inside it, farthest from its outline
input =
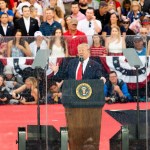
(55, 94)
(112, 7)
(6, 29)
(38, 44)
(74, 37)
(48, 27)
(125, 7)
(126, 23)
(6, 10)
(97, 49)
(3, 49)
(4, 92)
(116, 90)
(58, 44)
(146, 23)
(114, 20)
(135, 12)
(115, 43)
(18, 47)
(139, 45)
(27, 93)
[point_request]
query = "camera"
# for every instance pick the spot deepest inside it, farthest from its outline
(113, 99)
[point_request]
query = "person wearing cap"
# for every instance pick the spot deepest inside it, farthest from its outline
(139, 45)
(74, 37)
(90, 25)
(48, 27)
(102, 13)
(38, 43)
(12, 80)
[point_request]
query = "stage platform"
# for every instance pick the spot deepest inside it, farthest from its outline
(14, 116)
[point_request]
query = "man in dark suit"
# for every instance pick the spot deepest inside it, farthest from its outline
(27, 24)
(90, 68)
(6, 29)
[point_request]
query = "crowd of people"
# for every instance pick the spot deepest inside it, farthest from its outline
(65, 27)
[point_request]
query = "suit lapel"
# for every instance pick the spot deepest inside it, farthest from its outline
(2, 31)
(23, 25)
(87, 69)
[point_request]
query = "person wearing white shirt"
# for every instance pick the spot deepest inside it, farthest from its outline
(90, 25)
(38, 44)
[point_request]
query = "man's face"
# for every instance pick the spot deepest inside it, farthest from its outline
(138, 45)
(26, 12)
(83, 2)
(75, 8)
(4, 19)
(113, 78)
(54, 89)
(72, 26)
(2, 4)
(49, 14)
(89, 14)
(104, 10)
(83, 51)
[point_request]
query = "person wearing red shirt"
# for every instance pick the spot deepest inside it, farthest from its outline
(74, 37)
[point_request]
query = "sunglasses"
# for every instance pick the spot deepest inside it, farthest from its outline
(89, 24)
(125, 22)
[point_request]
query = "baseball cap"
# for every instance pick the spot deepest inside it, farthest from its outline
(137, 38)
(73, 21)
(8, 70)
(38, 33)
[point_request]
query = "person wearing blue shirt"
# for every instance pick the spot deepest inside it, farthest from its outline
(47, 28)
(116, 90)
(139, 45)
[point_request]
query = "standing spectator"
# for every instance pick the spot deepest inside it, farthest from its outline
(135, 12)
(19, 10)
(83, 5)
(146, 23)
(26, 24)
(5, 9)
(38, 7)
(146, 6)
(48, 27)
(75, 11)
(58, 45)
(93, 3)
(125, 7)
(139, 45)
(115, 43)
(116, 90)
(117, 5)
(114, 20)
(97, 49)
(102, 13)
(67, 21)
(38, 44)
(90, 25)
(18, 47)
(74, 37)
(6, 29)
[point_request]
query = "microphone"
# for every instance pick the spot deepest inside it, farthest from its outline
(81, 59)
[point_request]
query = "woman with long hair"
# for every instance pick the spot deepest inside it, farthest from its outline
(114, 20)
(67, 21)
(58, 45)
(115, 43)
(27, 93)
(18, 47)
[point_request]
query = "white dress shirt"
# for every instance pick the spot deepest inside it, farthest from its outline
(4, 28)
(27, 23)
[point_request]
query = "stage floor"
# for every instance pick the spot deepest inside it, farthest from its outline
(14, 116)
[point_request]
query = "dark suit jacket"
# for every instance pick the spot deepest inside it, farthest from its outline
(19, 24)
(93, 70)
(9, 32)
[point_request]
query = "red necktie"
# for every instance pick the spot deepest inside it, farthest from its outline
(79, 72)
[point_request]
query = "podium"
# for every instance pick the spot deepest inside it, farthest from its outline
(83, 101)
